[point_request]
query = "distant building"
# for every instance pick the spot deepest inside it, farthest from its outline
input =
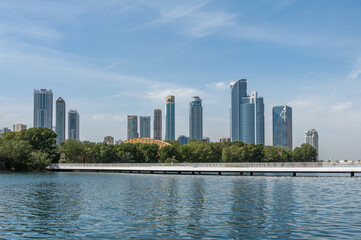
(18, 127)
(247, 114)
(206, 139)
(311, 137)
(73, 125)
(170, 118)
(157, 124)
(282, 126)
(118, 141)
(225, 139)
(109, 140)
(43, 108)
(132, 127)
(196, 119)
(182, 139)
(4, 130)
(144, 126)
(60, 120)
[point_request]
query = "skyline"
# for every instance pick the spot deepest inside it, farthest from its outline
(293, 53)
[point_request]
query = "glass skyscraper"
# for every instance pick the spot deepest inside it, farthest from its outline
(60, 120)
(132, 126)
(43, 108)
(311, 137)
(282, 126)
(157, 131)
(196, 119)
(247, 114)
(144, 126)
(170, 118)
(73, 125)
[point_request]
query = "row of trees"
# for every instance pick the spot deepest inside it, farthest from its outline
(35, 148)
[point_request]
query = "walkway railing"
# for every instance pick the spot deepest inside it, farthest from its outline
(211, 165)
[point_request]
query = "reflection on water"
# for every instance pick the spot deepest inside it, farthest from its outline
(106, 206)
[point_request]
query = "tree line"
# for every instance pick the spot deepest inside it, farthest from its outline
(36, 148)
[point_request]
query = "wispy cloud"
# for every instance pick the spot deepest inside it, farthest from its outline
(356, 69)
(193, 19)
(158, 93)
(342, 106)
(218, 85)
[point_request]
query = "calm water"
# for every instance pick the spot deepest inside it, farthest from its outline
(110, 206)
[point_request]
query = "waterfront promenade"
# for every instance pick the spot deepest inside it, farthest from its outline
(213, 168)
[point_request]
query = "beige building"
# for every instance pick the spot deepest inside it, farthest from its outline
(19, 127)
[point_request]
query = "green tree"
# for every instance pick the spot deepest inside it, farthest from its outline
(171, 151)
(73, 151)
(15, 155)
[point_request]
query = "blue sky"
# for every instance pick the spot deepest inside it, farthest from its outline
(110, 59)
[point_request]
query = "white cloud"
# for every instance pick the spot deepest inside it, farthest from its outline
(342, 106)
(218, 85)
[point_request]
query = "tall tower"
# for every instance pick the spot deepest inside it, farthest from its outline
(144, 126)
(170, 118)
(311, 137)
(73, 125)
(247, 114)
(43, 108)
(282, 126)
(196, 119)
(157, 124)
(60, 120)
(132, 126)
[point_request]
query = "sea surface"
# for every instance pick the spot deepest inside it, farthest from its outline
(144, 206)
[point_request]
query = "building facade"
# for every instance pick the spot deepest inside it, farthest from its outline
(4, 130)
(225, 139)
(73, 125)
(311, 137)
(60, 110)
(206, 139)
(247, 114)
(144, 126)
(196, 119)
(157, 125)
(18, 127)
(43, 108)
(282, 126)
(132, 126)
(182, 139)
(109, 140)
(170, 118)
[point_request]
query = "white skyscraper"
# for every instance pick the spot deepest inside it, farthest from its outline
(311, 137)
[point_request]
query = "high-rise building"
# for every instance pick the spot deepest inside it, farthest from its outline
(4, 130)
(132, 127)
(311, 137)
(109, 140)
(196, 119)
(43, 108)
(170, 118)
(182, 139)
(73, 125)
(60, 120)
(117, 142)
(144, 126)
(18, 127)
(282, 126)
(247, 114)
(157, 124)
